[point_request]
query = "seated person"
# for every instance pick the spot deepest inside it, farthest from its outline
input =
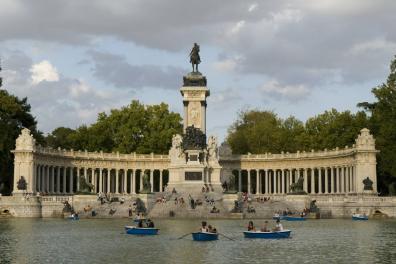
(264, 228)
(251, 226)
(278, 226)
(150, 223)
(140, 223)
(204, 227)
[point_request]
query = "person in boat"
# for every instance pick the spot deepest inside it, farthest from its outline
(278, 226)
(140, 223)
(251, 226)
(204, 227)
(264, 228)
(150, 223)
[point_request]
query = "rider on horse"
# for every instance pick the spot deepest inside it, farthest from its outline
(195, 59)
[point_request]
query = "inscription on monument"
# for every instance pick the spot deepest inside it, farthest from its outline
(193, 176)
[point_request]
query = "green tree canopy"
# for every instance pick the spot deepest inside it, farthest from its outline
(14, 115)
(134, 128)
(383, 126)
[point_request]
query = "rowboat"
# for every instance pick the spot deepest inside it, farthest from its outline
(359, 217)
(294, 218)
(205, 236)
(278, 217)
(133, 230)
(73, 217)
(267, 235)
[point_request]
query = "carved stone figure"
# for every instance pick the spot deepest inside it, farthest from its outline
(176, 151)
(195, 59)
(368, 184)
(146, 184)
(194, 139)
(212, 149)
(298, 187)
(25, 140)
(22, 185)
(313, 208)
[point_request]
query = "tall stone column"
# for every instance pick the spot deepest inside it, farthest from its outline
(320, 181)
(257, 182)
(133, 181)
(282, 181)
(270, 182)
(312, 180)
(125, 178)
(39, 178)
(151, 180)
(332, 179)
(161, 181)
(347, 179)
(47, 185)
(71, 180)
(108, 190)
(117, 181)
(86, 174)
(78, 179)
(266, 181)
(305, 175)
(239, 181)
(342, 177)
(326, 181)
(100, 180)
(248, 182)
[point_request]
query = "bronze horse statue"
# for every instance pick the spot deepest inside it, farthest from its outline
(195, 59)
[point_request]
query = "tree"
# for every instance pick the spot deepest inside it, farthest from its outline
(134, 128)
(262, 131)
(14, 115)
(383, 126)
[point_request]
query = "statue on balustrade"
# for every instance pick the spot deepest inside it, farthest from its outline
(368, 184)
(298, 187)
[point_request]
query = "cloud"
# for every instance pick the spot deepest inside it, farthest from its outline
(115, 70)
(56, 100)
(44, 71)
(277, 91)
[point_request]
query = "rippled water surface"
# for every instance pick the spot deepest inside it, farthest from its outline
(104, 241)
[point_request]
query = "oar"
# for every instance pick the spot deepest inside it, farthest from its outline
(183, 236)
(227, 237)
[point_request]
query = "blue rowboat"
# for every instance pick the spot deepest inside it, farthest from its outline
(294, 218)
(359, 217)
(267, 235)
(133, 230)
(204, 236)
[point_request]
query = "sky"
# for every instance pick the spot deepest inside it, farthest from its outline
(74, 59)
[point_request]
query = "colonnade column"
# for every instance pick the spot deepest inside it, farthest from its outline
(326, 181)
(239, 181)
(47, 182)
(347, 179)
(320, 181)
(117, 179)
(312, 180)
(78, 179)
(248, 182)
(38, 178)
(266, 181)
(257, 181)
(52, 179)
(161, 181)
(64, 180)
(125, 186)
(133, 181)
(108, 180)
(100, 180)
(282, 181)
(151, 180)
(270, 180)
(141, 180)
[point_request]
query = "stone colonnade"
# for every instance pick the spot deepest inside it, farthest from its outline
(322, 180)
(52, 179)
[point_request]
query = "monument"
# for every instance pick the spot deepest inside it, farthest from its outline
(194, 162)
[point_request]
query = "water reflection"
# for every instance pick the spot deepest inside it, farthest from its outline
(104, 241)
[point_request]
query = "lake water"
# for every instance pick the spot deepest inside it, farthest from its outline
(104, 241)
